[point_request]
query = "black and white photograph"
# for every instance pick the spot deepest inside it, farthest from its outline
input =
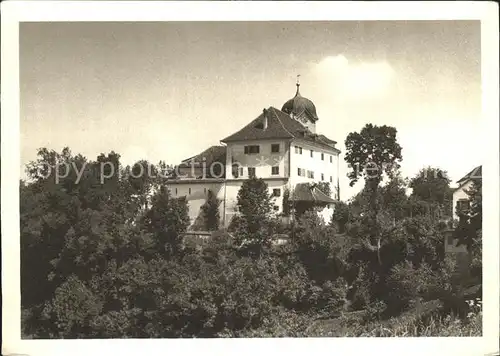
(252, 179)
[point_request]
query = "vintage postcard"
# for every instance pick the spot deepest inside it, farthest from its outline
(251, 176)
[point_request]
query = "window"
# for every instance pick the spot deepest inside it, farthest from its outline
(189, 190)
(310, 174)
(241, 171)
(298, 150)
(251, 172)
(331, 179)
(275, 170)
(463, 205)
(301, 172)
(322, 176)
(252, 149)
(175, 191)
(276, 192)
(312, 153)
(276, 208)
(275, 148)
(331, 159)
(322, 156)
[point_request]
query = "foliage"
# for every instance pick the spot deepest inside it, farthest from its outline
(372, 152)
(431, 185)
(469, 229)
(470, 220)
(103, 256)
(340, 216)
(166, 220)
(210, 212)
(255, 205)
(325, 188)
(286, 202)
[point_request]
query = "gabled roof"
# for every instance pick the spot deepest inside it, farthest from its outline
(276, 128)
(476, 173)
(279, 126)
(209, 156)
(306, 192)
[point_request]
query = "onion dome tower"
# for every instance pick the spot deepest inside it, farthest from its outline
(301, 109)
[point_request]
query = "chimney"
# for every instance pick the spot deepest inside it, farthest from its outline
(264, 119)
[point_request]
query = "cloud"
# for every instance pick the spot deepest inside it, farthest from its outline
(354, 79)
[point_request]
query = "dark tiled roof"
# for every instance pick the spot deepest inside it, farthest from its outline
(306, 192)
(275, 128)
(474, 174)
(209, 156)
(279, 125)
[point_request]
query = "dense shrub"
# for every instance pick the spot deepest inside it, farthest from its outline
(110, 260)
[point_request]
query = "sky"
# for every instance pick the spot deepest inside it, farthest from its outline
(168, 90)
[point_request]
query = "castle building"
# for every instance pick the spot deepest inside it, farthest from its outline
(280, 146)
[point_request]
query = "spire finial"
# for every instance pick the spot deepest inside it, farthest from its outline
(297, 84)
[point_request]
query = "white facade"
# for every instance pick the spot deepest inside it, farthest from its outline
(321, 162)
(196, 192)
(256, 150)
(460, 194)
(262, 161)
(285, 174)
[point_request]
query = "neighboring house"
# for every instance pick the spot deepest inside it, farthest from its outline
(279, 146)
(461, 202)
(460, 197)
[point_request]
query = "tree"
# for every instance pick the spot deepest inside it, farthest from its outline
(469, 229)
(255, 205)
(210, 211)
(371, 153)
(432, 186)
(394, 198)
(325, 188)
(340, 216)
(286, 202)
(76, 218)
(167, 219)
